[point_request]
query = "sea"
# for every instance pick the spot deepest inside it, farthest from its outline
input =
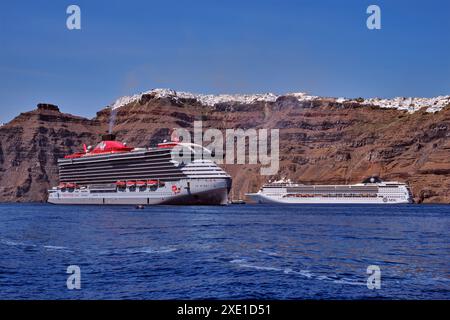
(225, 252)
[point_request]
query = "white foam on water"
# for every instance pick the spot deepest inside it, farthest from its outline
(238, 261)
(244, 264)
(15, 243)
(269, 253)
(23, 244)
(324, 278)
(152, 250)
(350, 281)
(304, 273)
(56, 248)
(252, 266)
(10, 243)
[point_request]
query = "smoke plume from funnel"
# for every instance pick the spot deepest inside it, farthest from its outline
(112, 119)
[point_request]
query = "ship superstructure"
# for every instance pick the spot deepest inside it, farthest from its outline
(113, 173)
(371, 191)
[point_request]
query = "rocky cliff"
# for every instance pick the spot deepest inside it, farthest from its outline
(31, 144)
(322, 140)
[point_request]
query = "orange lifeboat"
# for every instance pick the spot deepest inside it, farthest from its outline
(131, 183)
(121, 184)
(152, 182)
(140, 183)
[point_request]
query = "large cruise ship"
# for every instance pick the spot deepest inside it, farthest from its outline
(371, 191)
(113, 173)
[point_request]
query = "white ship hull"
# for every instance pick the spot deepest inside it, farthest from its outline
(188, 192)
(261, 198)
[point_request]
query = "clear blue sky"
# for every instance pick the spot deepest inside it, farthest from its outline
(322, 47)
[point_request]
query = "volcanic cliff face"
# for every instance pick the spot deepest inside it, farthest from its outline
(321, 140)
(30, 146)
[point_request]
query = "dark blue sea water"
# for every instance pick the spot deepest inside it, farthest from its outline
(233, 252)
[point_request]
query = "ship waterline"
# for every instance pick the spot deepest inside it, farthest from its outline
(113, 173)
(371, 191)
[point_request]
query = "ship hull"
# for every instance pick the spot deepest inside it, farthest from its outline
(183, 192)
(263, 199)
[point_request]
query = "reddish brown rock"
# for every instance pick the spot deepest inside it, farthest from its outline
(30, 145)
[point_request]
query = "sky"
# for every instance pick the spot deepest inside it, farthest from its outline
(322, 47)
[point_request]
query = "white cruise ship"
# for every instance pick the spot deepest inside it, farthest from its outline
(371, 191)
(113, 173)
